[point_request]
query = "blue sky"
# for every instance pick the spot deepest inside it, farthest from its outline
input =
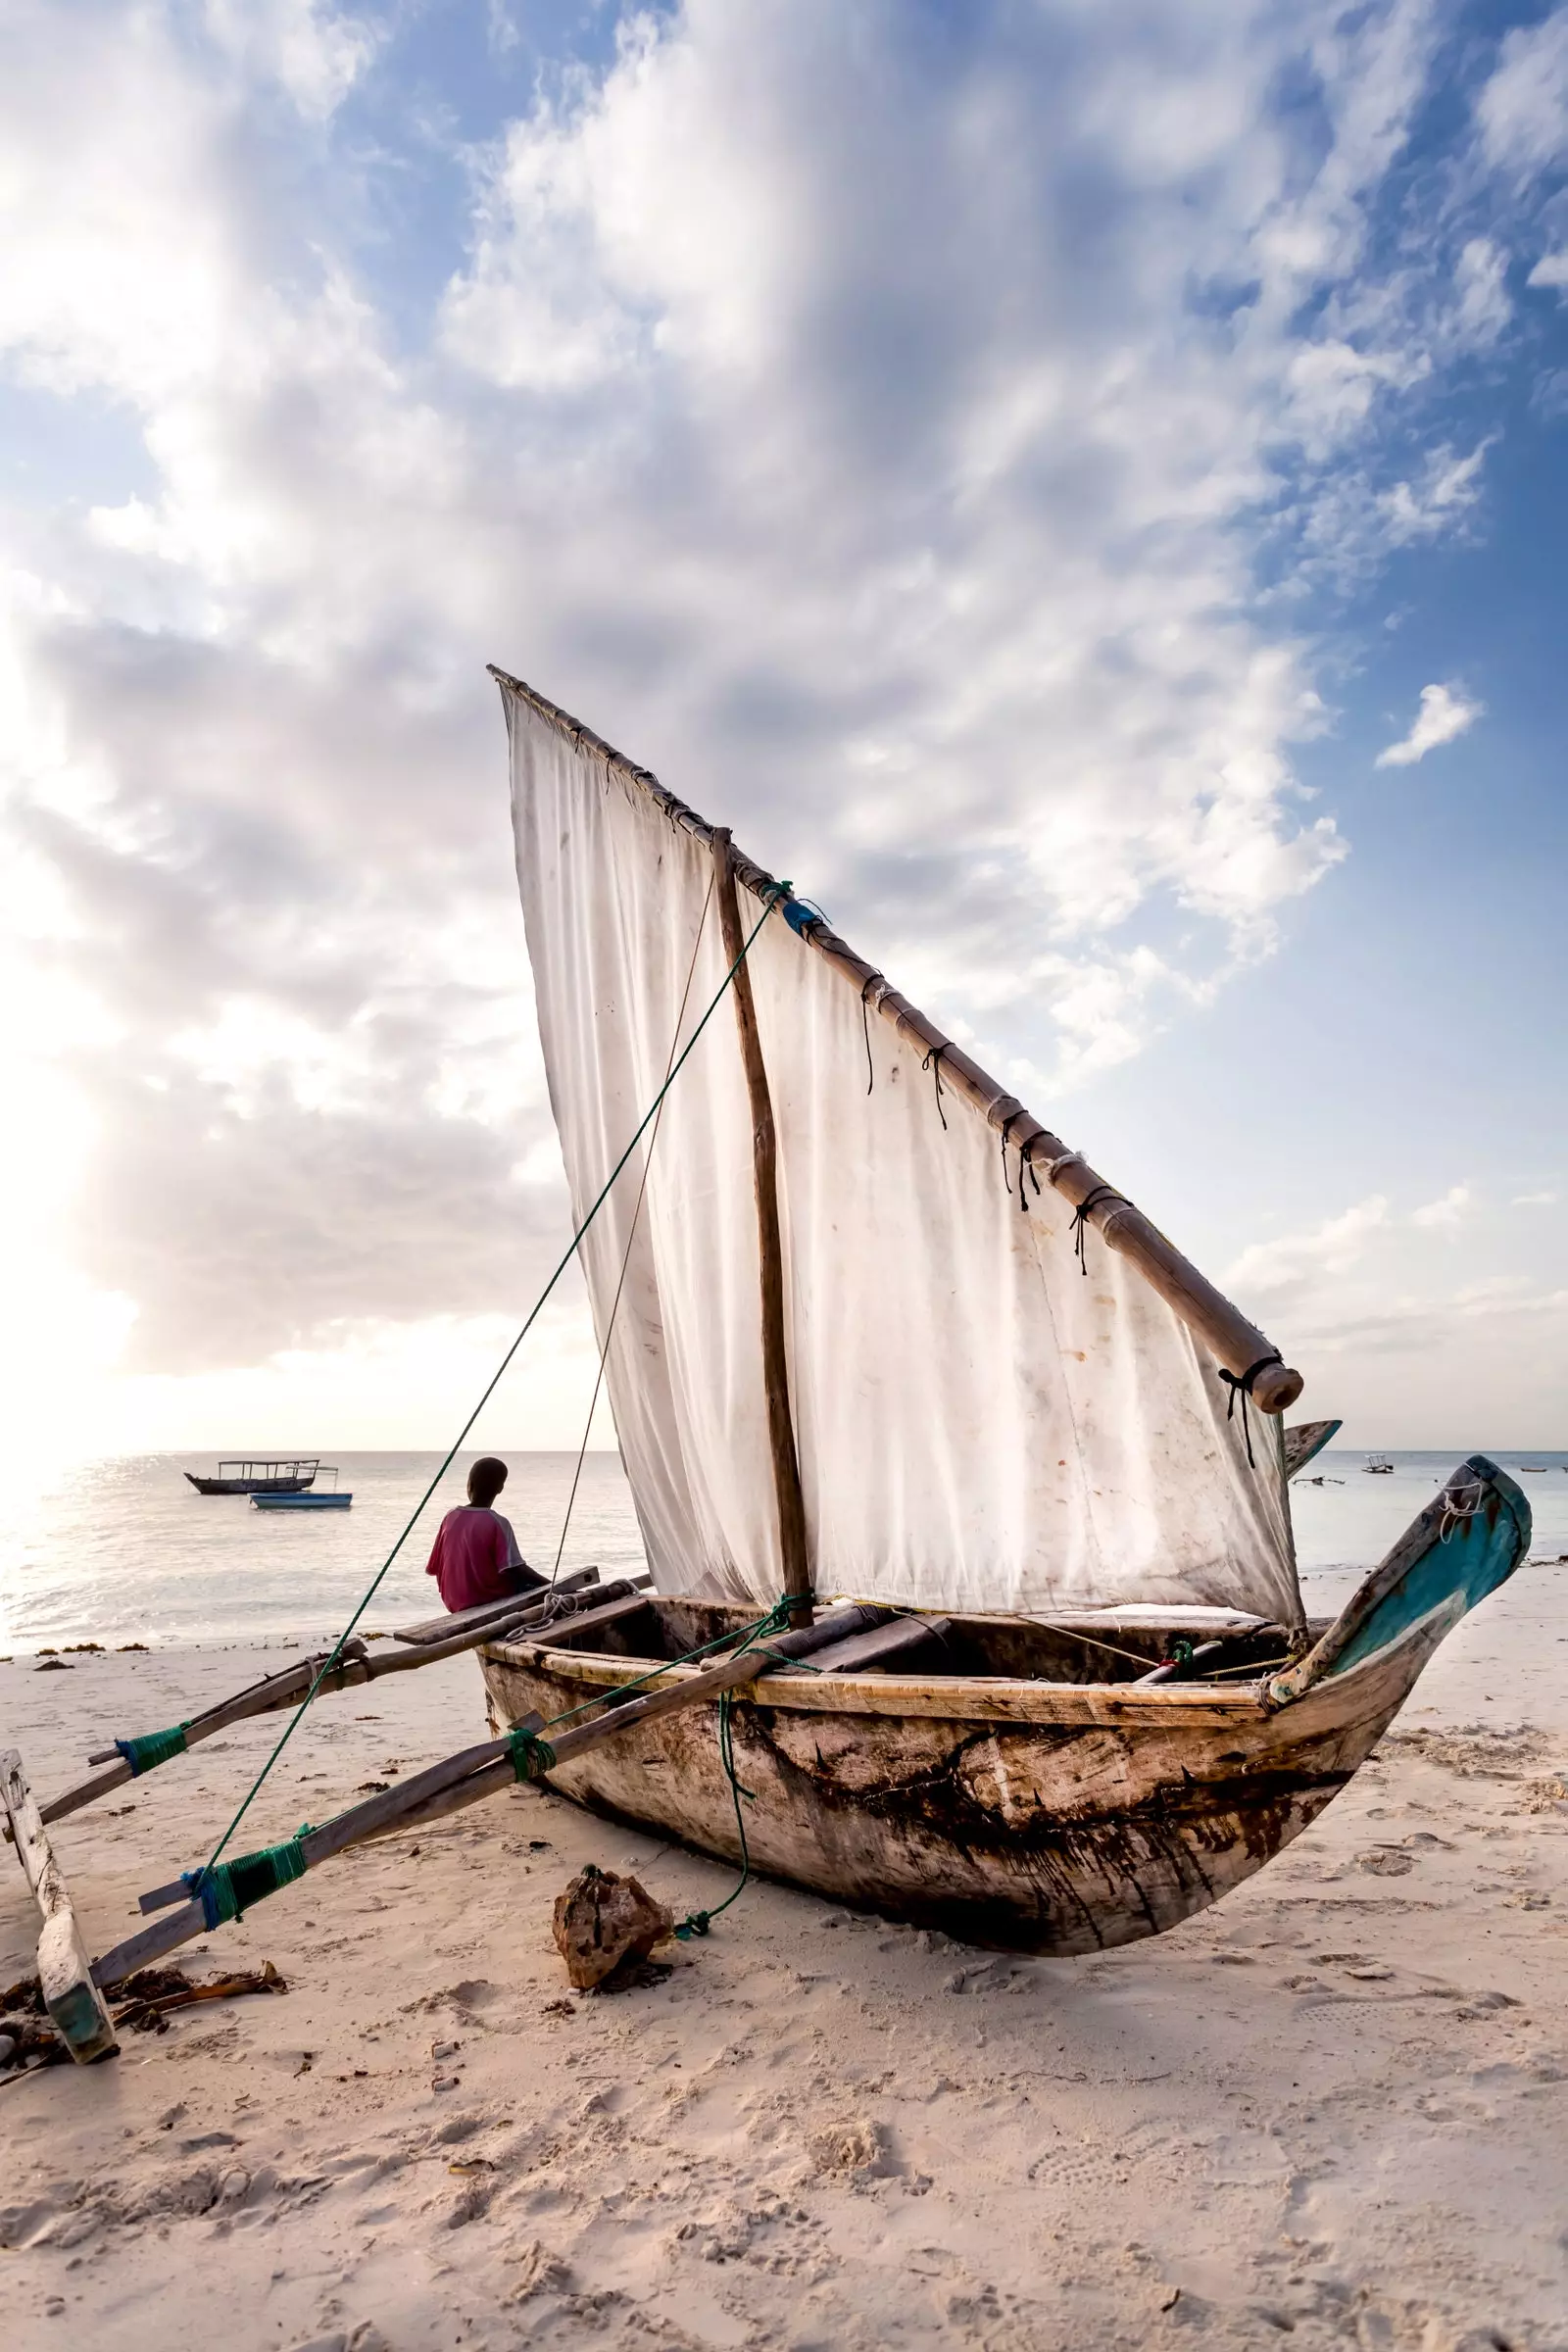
(1025, 468)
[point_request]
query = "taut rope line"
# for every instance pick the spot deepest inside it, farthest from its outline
(779, 890)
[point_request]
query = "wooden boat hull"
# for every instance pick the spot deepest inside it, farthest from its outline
(334, 1502)
(247, 1486)
(1041, 1816)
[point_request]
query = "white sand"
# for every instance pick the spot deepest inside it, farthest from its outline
(1333, 2108)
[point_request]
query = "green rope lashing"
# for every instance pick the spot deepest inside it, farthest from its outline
(153, 1748)
(531, 1756)
(698, 1923)
(228, 1890)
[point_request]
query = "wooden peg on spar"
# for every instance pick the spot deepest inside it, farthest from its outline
(65, 1974)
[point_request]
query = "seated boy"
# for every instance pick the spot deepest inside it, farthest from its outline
(475, 1556)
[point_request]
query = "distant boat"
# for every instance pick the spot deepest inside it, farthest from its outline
(273, 1477)
(1379, 1465)
(327, 1499)
(1535, 1465)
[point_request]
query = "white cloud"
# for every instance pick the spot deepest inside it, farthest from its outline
(1522, 109)
(1446, 712)
(1447, 488)
(1292, 1260)
(1550, 270)
(795, 415)
(1535, 1200)
(1445, 1215)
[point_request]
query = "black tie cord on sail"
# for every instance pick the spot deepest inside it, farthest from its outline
(876, 981)
(1080, 1220)
(933, 1063)
(1240, 1383)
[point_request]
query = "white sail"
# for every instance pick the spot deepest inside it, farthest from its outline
(980, 1425)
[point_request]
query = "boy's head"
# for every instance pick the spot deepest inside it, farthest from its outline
(486, 1480)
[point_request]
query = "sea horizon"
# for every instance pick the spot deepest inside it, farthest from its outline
(120, 1548)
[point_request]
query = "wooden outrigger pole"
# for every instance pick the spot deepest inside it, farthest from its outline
(70, 1993)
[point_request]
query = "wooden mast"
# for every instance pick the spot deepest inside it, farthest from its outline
(764, 1171)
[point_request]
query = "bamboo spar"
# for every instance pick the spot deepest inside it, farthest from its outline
(1239, 1346)
(770, 1247)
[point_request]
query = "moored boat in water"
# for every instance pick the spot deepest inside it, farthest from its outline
(244, 1475)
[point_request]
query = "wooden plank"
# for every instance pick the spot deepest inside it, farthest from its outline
(437, 1628)
(65, 1975)
(618, 1604)
(863, 1651)
(797, 1572)
(1224, 1330)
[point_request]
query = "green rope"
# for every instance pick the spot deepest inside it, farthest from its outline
(777, 891)
(531, 1756)
(153, 1748)
(228, 1890)
(698, 1923)
(777, 1618)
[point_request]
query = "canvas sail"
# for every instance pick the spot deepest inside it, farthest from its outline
(979, 1425)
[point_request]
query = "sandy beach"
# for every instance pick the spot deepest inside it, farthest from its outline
(1330, 2109)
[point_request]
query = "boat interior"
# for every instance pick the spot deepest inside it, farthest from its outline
(1199, 1645)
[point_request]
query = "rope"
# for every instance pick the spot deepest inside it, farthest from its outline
(153, 1748)
(531, 1756)
(1240, 1384)
(1080, 1220)
(865, 1026)
(933, 1063)
(698, 1923)
(620, 1284)
(776, 891)
(777, 1618)
(228, 1890)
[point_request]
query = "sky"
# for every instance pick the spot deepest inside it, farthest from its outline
(1081, 488)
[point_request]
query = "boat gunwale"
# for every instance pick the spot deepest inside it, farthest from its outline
(952, 1697)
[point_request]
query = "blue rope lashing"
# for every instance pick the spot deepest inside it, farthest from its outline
(1080, 1220)
(153, 1748)
(1240, 1383)
(226, 1890)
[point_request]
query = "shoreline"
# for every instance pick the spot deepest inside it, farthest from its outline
(1332, 2106)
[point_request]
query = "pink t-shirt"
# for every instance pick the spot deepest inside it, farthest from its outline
(475, 1557)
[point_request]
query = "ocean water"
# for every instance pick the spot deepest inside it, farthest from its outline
(124, 1550)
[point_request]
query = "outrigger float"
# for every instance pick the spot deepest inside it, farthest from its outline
(964, 1496)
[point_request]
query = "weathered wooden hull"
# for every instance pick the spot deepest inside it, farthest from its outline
(1042, 1816)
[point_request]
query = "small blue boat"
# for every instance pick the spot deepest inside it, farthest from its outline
(328, 1498)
